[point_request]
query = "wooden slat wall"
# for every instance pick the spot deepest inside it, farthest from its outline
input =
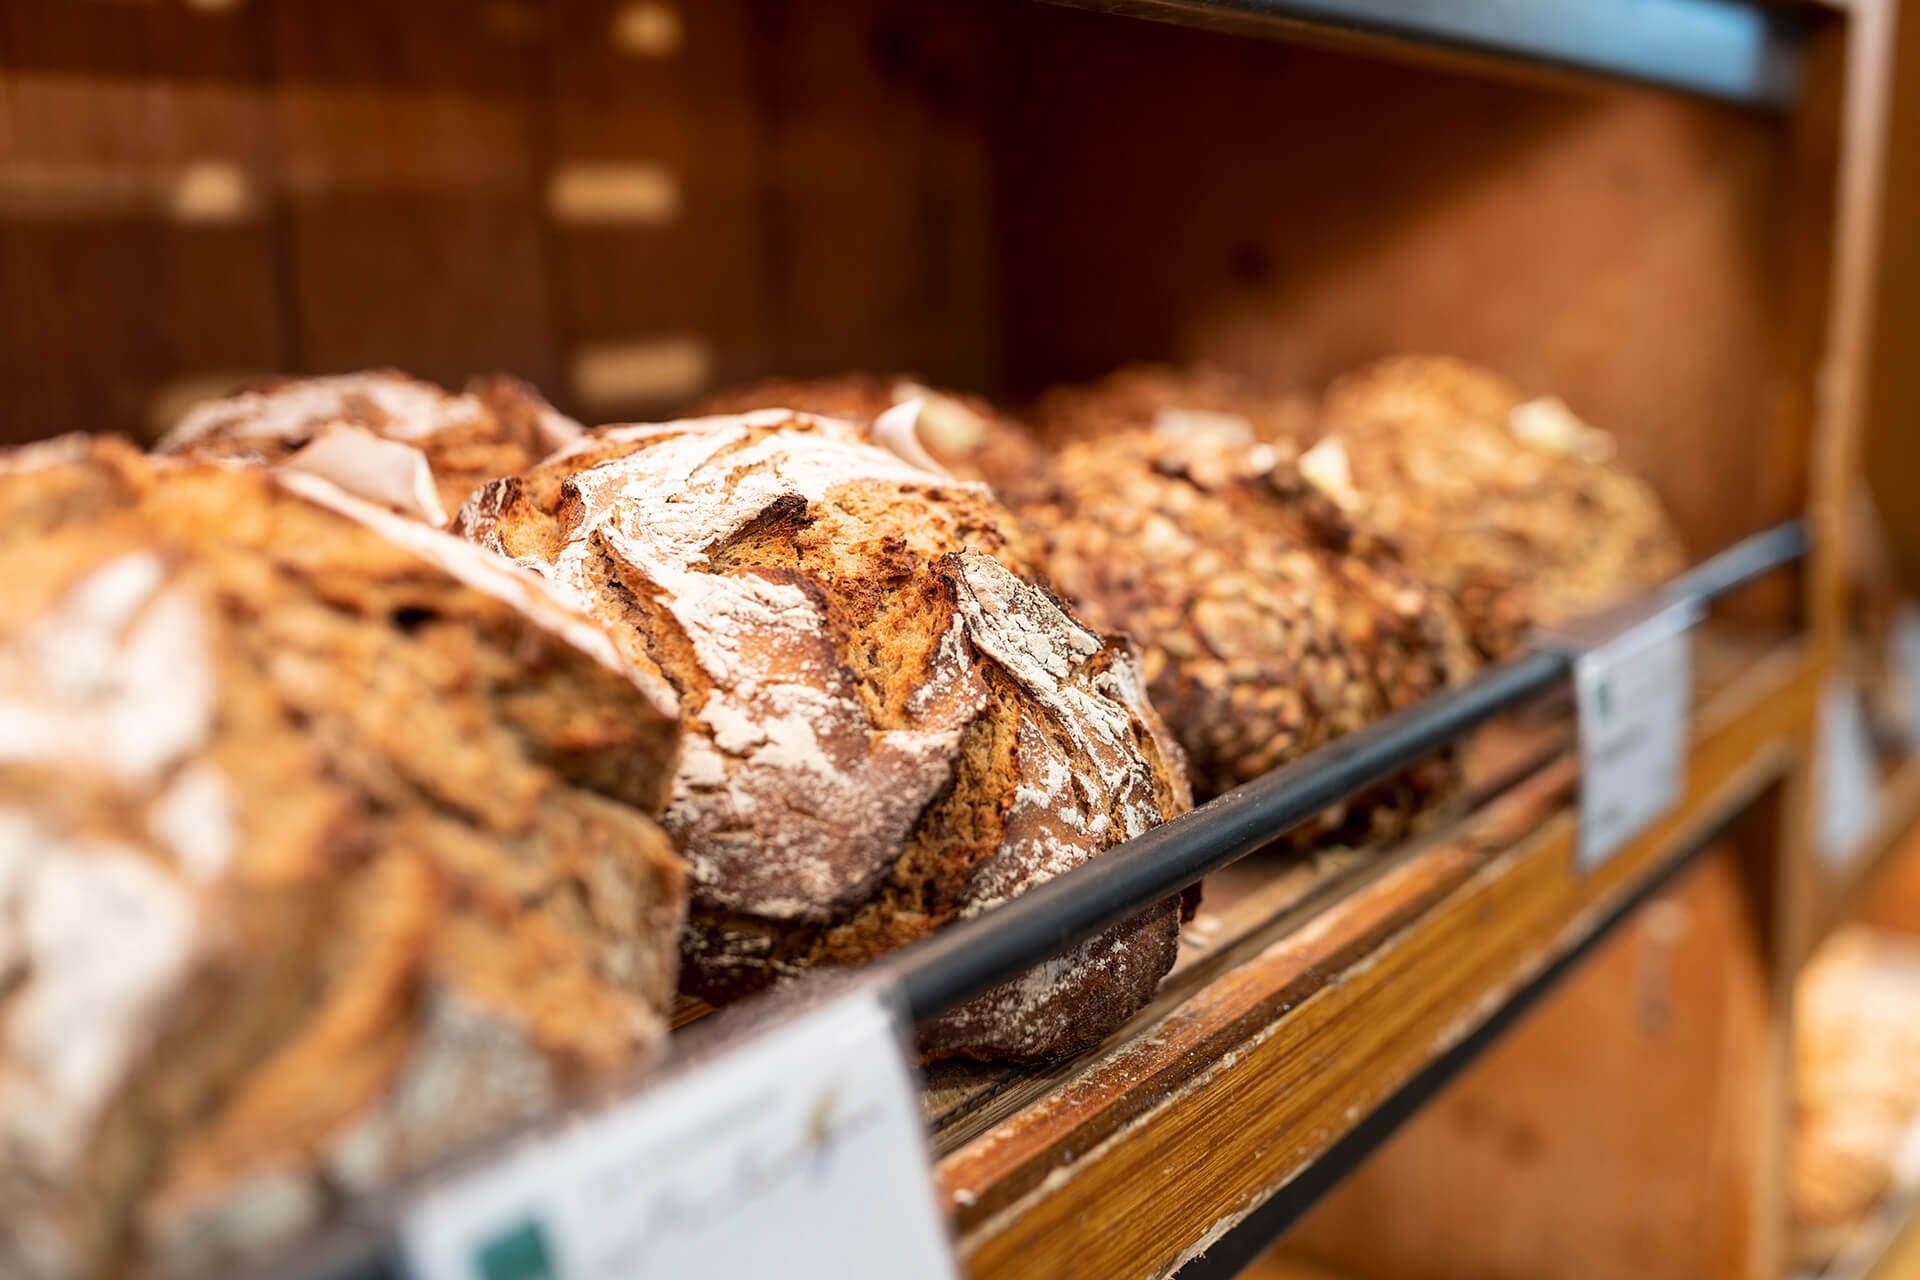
(109, 288)
(768, 186)
(407, 168)
(664, 292)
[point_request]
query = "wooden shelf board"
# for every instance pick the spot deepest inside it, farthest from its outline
(1743, 52)
(1842, 893)
(1264, 1052)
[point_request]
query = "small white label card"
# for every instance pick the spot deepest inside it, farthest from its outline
(1847, 788)
(798, 1153)
(1905, 661)
(1635, 696)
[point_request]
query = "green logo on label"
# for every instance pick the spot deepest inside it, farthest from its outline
(1603, 695)
(519, 1253)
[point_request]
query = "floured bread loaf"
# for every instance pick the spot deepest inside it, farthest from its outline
(428, 449)
(886, 727)
(960, 434)
(1176, 402)
(1269, 626)
(325, 850)
(1511, 505)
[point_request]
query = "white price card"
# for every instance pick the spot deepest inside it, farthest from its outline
(1848, 783)
(799, 1153)
(1905, 643)
(1635, 695)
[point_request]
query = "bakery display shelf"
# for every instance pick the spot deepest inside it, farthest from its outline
(1277, 1008)
(973, 956)
(1741, 51)
(1268, 1069)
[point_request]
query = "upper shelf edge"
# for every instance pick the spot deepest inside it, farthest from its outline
(1741, 51)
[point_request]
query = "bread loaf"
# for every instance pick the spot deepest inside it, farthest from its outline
(325, 850)
(1175, 401)
(961, 434)
(1513, 506)
(389, 438)
(1269, 624)
(886, 726)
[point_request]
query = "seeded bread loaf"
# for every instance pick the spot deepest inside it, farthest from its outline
(1176, 401)
(1511, 505)
(430, 447)
(964, 435)
(886, 726)
(1856, 1085)
(1269, 625)
(325, 850)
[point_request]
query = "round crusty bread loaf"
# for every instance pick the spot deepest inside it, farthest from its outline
(1269, 626)
(885, 726)
(1512, 506)
(1175, 401)
(963, 434)
(325, 851)
(438, 447)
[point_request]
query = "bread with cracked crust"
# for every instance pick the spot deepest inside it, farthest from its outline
(887, 727)
(961, 434)
(327, 849)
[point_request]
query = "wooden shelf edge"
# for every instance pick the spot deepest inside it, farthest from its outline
(1162, 1145)
(1899, 819)
(1741, 52)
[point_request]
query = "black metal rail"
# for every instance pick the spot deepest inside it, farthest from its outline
(973, 956)
(1742, 51)
(1257, 1232)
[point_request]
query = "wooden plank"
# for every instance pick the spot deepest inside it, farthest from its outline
(1858, 138)
(672, 103)
(136, 242)
(1617, 1132)
(1843, 894)
(877, 118)
(1317, 1029)
(411, 168)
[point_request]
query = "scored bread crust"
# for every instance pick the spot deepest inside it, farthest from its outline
(328, 841)
(886, 726)
(964, 434)
(498, 426)
(1269, 625)
(1512, 506)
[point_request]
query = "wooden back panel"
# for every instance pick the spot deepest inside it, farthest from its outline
(1294, 213)
(995, 194)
